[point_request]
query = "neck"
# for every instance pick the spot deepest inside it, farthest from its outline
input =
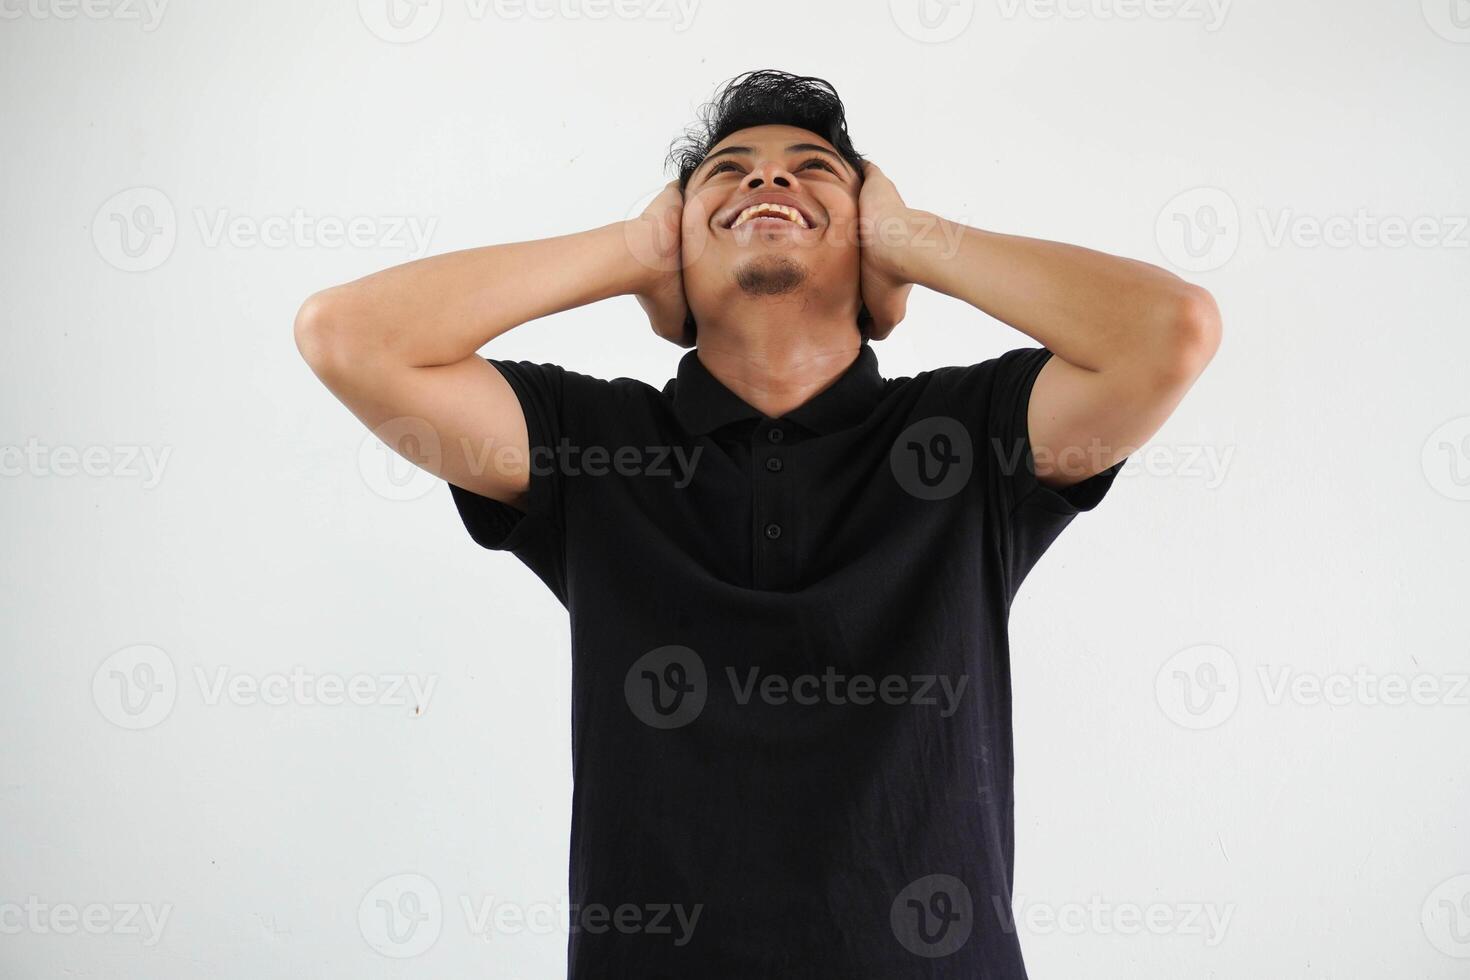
(777, 353)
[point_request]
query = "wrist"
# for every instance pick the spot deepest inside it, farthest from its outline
(896, 243)
(650, 253)
(916, 243)
(631, 241)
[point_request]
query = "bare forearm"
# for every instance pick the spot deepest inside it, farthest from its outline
(442, 309)
(1096, 311)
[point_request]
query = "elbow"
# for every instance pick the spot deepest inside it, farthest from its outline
(319, 330)
(1191, 335)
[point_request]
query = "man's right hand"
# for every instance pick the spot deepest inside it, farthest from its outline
(655, 240)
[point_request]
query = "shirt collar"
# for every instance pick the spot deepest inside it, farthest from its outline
(702, 403)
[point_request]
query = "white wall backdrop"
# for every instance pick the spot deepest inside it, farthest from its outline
(1240, 684)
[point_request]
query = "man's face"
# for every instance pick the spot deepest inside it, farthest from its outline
(771, 210)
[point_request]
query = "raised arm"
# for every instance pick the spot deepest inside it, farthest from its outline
(1129, 338)
(403, 343)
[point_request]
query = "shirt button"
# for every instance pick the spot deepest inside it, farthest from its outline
(773, 531)
(775, 435)
(774, 464)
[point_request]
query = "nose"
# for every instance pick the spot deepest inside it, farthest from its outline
(772, 172)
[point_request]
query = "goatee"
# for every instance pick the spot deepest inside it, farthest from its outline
(770, 275)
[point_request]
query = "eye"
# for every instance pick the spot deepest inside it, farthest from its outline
(721, 166)
(819, 162)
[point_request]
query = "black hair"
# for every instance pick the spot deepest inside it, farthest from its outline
(766, 97)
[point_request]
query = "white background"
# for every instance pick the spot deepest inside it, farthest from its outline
(1303, 515)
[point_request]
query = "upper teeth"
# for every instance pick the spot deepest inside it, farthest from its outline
(774, 210)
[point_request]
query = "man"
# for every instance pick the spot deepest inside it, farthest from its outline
(788, 578)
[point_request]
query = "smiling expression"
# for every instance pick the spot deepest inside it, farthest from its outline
(764, 191)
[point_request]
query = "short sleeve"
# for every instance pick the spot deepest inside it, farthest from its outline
(1032, 513)
(991, 399)
(536, 535)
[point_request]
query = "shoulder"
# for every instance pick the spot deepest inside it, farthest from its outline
(582, 399)
(546, 374)
(1008, 375)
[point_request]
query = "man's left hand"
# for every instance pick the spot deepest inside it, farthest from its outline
(884, 226)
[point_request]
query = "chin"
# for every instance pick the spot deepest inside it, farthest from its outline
(771, 275)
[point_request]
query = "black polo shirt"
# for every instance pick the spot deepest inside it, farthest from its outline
(791, 717)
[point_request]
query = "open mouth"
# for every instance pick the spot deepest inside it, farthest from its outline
(767, 211)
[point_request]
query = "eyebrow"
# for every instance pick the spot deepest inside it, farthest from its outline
(793, 148)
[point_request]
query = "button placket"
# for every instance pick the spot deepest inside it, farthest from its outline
(774, 555)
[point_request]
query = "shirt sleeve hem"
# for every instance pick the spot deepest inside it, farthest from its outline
(1066, 501)
(499, 526)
